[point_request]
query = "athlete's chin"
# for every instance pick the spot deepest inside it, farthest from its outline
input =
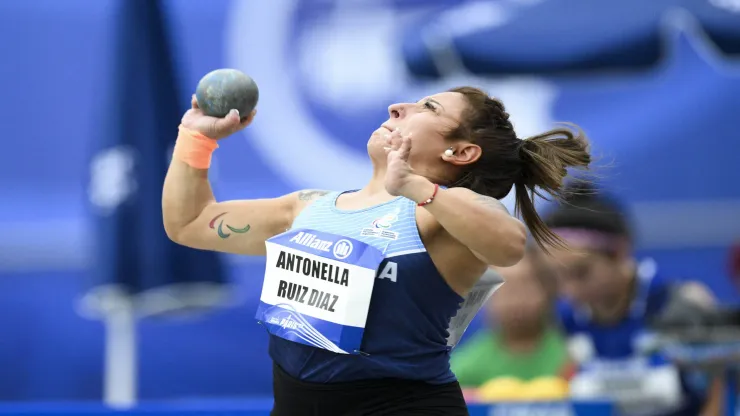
(376, 140)
(376, 148)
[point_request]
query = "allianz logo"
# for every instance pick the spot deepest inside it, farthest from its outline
(341, 249)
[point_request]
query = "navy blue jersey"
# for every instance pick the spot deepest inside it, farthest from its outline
(407, 328)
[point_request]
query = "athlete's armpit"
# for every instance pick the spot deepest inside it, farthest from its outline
(224, 230)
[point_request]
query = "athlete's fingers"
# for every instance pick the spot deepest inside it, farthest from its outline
(405, 148)
(245, 121)
(229, 123)
(395, 139)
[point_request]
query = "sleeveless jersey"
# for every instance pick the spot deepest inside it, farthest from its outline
(620, 344)
(410, 309)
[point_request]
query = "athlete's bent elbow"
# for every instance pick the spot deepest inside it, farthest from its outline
(512, 249)
(173, 229)
(173, 233)
(178, 236)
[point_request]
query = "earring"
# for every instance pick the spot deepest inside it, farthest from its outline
(449, 152)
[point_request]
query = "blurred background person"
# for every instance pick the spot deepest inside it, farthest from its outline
(520, 341)
(608, 297)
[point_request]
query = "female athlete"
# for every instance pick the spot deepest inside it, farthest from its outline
(429, 213)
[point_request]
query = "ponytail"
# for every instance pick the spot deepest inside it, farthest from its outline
(534, 166)
(545, 161)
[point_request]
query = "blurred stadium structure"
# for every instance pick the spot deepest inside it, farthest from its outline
(656, 85)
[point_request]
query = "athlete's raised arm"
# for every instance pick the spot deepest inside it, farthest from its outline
(193, 217)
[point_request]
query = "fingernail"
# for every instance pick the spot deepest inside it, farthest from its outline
(235, 111)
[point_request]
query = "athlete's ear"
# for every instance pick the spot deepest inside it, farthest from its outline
(462, 153)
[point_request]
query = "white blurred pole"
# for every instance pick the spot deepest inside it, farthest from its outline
(120, 355)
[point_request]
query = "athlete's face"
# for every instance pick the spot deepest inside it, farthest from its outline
(588, 278)
(428, 121)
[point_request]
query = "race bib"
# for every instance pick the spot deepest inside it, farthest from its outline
(481, 292)
(317, 289)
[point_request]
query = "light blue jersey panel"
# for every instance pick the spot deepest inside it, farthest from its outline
(396, 217)
(411, 307)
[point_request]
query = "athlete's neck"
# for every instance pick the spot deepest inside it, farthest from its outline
(372, 194)
(376, 185)
(374, 190)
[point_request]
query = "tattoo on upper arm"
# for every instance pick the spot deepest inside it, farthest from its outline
(310, 195)
(492, 202)
(220, 228)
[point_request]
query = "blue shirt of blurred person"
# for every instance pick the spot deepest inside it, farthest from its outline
(607, 300)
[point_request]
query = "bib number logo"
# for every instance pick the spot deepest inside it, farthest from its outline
(342, 249)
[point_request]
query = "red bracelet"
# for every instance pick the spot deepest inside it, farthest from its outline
(431, 198)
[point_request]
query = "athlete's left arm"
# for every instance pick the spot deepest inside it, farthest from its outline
(479, 222)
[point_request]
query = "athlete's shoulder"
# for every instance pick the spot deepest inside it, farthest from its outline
(306, 197)
(309, 195)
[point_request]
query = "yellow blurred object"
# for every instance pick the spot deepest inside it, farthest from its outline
(501, 389)
(545, 389)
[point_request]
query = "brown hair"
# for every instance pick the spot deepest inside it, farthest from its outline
(532, 165)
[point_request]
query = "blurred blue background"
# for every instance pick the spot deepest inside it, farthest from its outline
(656, 85)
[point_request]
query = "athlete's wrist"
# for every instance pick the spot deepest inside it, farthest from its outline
(195, 133)
(194, 148)
(418, 189)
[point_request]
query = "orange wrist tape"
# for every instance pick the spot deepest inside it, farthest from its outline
(194, 148)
